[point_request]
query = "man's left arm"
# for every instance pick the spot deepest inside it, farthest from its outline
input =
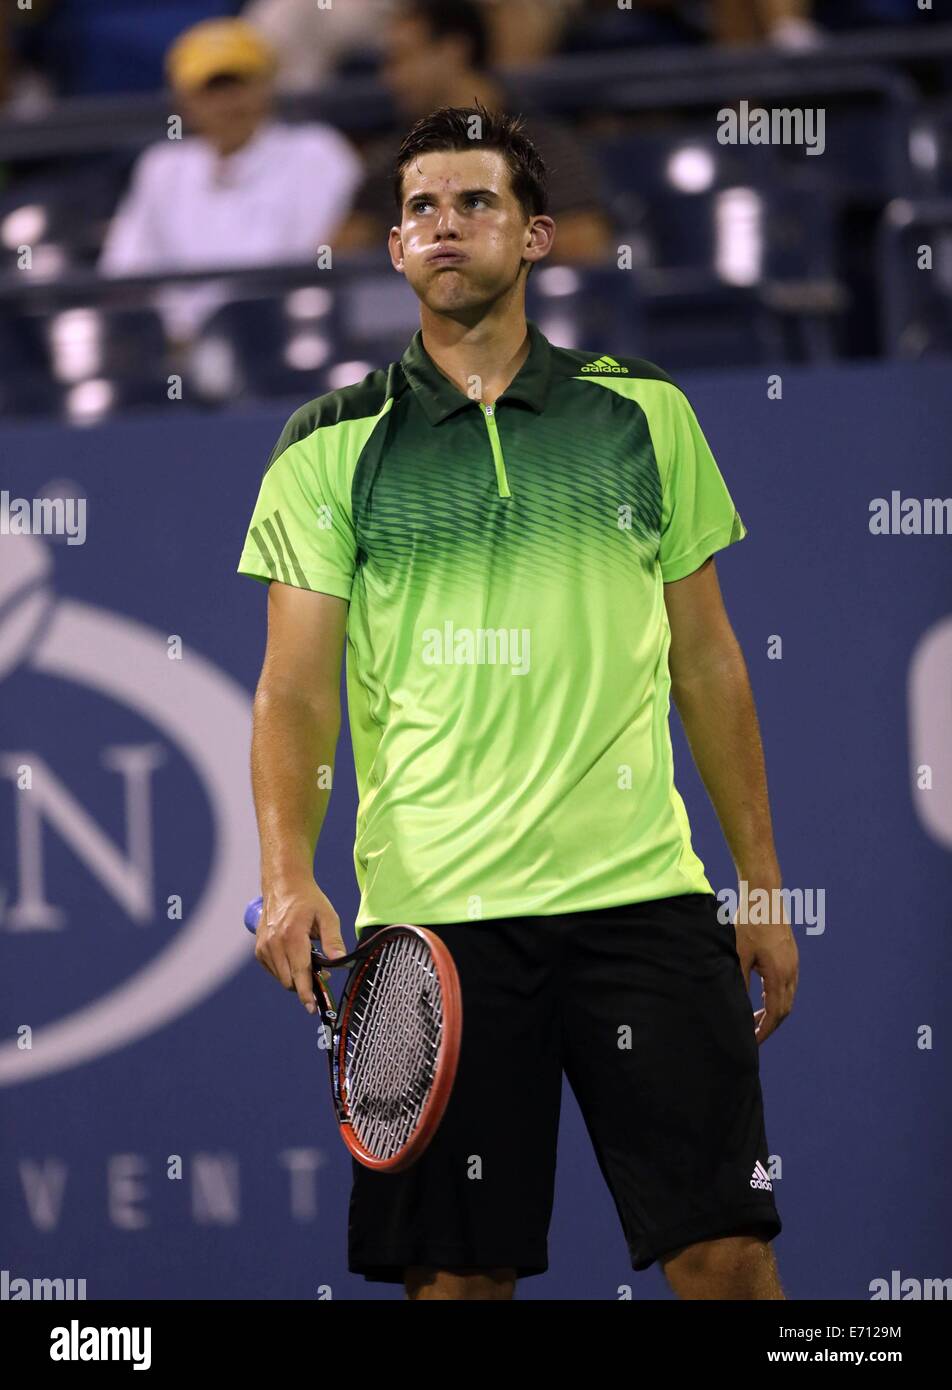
(711, 691)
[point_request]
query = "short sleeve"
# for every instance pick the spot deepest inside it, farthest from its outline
(301, 531)
(698, 515)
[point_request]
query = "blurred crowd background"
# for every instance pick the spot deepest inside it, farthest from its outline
(195, 194)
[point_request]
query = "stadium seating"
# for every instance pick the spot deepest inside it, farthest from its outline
(915, 257)
(725, 254)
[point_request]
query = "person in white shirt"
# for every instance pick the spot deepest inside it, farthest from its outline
(311, 38)
(246, 189)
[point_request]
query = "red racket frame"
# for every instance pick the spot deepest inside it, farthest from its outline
(451, 1037)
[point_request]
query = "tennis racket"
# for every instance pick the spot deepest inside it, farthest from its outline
(394, 1042)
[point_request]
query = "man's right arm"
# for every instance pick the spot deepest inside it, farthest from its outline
(296, 724)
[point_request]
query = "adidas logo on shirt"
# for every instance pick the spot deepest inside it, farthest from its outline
(603, 365)
(761, 1178)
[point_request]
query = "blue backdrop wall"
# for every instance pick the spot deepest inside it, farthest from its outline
(160, 1048)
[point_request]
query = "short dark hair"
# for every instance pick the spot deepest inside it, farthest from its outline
(452, 19)
(450, 128)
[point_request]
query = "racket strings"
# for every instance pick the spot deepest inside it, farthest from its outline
(392, 1044)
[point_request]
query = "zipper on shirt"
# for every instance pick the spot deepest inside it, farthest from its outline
(502, 482)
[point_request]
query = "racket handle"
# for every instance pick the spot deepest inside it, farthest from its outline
(253, 916)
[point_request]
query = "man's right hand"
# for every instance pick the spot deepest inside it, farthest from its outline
(291, 918)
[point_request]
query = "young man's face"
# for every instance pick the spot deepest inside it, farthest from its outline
(229, 109)
(463, 235)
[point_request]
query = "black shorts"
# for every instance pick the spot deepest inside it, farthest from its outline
(644, 1008)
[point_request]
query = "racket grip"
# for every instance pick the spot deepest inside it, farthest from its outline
(253, 914)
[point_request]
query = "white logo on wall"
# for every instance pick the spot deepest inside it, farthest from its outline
(929, 700)
(195, 707)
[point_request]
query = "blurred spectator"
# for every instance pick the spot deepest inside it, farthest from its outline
(604, 24)
(246, 190)
(523, 32)
(437, 54)
(786, 23)
(312, 41)
(25, 90)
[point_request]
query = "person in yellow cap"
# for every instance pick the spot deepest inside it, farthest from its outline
(243, 189)
(223, 71)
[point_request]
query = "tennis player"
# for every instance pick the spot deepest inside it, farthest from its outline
(516, 541)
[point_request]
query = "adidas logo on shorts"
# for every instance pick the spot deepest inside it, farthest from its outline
(761, 1178)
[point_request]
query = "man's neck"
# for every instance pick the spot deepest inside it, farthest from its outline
(481, 359)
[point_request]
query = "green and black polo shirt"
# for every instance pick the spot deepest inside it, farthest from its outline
(507, 639)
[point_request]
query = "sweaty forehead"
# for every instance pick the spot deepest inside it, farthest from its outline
(451, 170)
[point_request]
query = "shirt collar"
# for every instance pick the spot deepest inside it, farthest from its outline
(439, 397)
(254, 153)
